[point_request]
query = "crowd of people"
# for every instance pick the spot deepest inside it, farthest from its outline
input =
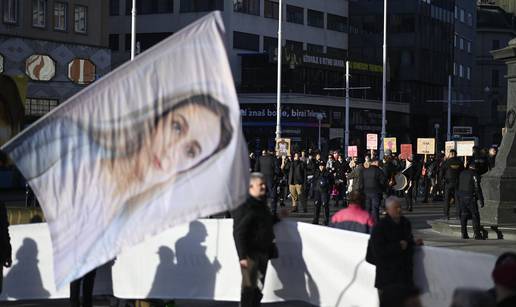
(307, 175)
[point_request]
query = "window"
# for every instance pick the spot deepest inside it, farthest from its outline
(456, 12)
(81, 19)
(114, 7)
(146, 7)
(10, 11)
(461, 71)
(336, 52)
(337, 23)
(270, 44)
(454, 69)
(495, 82)
(311, 48)
(297, 47)
(496, 44)
(39, 8)
(270, 9)
(455, 41)
(461, 15)
(461, 45)
(246, 41)
(402, 23)
(60, 9)
(469, 47)
(470, 19)
(114, 44)
(145, 41)
(315, 19)
(247, 6)
(201, 5)
(295, 14)
(468, 73)
(39, 106)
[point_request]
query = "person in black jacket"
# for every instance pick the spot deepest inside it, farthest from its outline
(373, 183)
(296, 173)
(412, 172)
(470, 197)
(393, 247)
(322, 183)
(268, 165)
(5, 243)
(254, 239)
(451, 169)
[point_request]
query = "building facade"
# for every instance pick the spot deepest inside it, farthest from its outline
(495, 28)
(419, 53)
(53, 49)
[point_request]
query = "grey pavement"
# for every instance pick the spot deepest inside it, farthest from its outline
(419, 217)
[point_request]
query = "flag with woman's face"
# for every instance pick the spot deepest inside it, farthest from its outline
(155, 143)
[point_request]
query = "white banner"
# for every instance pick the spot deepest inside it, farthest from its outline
(319, 265)
(156, 143)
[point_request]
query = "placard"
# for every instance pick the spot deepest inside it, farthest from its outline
(465, 148)
(448, 146)
(406, 151)
(372, 141)
(352, 151)
(283, 147)
(425, 146)
(390, 144)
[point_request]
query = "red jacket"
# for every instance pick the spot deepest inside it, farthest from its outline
(353, 218)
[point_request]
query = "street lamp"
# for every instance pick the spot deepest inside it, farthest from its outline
(436, 127)
(384, 79)
(319, 118)
(278, 97)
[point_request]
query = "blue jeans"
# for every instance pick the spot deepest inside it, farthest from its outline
(372, 204)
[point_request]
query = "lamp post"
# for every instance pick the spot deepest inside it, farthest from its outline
(133, 30)
(384, 78)
(278, 94)
(319, 118)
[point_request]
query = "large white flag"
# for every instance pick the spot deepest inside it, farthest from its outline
(156, 143)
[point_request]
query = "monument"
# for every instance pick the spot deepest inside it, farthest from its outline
(499, 184)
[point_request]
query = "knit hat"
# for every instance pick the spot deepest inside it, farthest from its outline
(504, 273)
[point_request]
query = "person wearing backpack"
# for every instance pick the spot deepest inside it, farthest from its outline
(322, 182)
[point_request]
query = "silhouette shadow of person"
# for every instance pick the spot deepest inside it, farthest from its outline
(165, 272)
(291, 268)
(196, 274)
(24, 278)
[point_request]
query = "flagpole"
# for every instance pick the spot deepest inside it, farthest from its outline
(278, 94)
(133, 30)
(384, 81)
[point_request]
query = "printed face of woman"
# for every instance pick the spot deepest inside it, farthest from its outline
(180, 140)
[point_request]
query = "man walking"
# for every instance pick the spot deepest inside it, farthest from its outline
(354, 217)
(267, 164)
(393, 247)
(470, 197)
(323, 180)
(254, 239)
(5, 243)
(296, 172)
(373, 183)
(451, 168)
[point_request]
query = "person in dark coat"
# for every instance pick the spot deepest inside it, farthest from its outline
(296, 179)
(373, 183)
(323, 181)
(254, 240)
(412, 172)
(86, 283)
(470, 198)
(491, 158)
(451, 171)
(5, 243)
(356, 174)
(393, 247)
(267, 164)
(480, 160)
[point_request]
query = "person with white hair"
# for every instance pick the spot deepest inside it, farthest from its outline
(393, 247)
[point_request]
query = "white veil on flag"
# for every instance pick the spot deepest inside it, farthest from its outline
(156, 143)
